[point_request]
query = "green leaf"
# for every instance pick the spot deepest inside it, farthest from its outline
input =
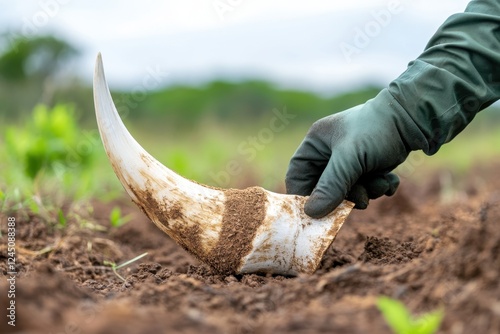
(395, 314)
(114, 216)
(116, 219)
(34, 207)
(400, 320)
(40, 116)
(429, 323)
(109, 263)
(60, 217)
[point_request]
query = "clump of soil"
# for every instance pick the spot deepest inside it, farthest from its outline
(426, 253)
(387, 251)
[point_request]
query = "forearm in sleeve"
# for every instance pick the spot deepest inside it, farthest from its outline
(456, 76)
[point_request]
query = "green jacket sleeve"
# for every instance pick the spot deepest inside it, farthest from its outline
(456, 76)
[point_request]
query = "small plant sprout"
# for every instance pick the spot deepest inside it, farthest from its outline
(115, 267)
(61, 218)
(401, 321)
(116, 219)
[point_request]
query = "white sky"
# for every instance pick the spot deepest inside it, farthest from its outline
(292, 43)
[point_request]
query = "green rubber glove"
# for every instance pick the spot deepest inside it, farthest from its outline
(352, 151)
(350, 154)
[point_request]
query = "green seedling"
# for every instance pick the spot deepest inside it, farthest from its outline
(116, 219)
(401, 321)
(115, 267)
(61, 219)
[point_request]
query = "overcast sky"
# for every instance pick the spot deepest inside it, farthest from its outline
(319, 45)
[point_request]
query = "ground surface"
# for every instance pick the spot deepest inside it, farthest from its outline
(414, 247)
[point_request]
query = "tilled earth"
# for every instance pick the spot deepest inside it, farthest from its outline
(435, 244)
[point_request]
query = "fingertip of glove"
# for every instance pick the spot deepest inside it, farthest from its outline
(393, 181)
(318, 206)
(359, 196)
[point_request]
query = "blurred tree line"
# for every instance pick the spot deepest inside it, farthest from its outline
(34, 70)
(28, 70)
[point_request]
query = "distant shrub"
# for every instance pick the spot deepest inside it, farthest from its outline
(50, 142)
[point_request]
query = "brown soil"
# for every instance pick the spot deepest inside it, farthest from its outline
(413, 247)
(244, 211)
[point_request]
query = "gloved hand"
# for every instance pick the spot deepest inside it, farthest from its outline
(351, 154)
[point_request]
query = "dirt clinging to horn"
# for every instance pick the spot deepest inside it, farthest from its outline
(244, 212)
